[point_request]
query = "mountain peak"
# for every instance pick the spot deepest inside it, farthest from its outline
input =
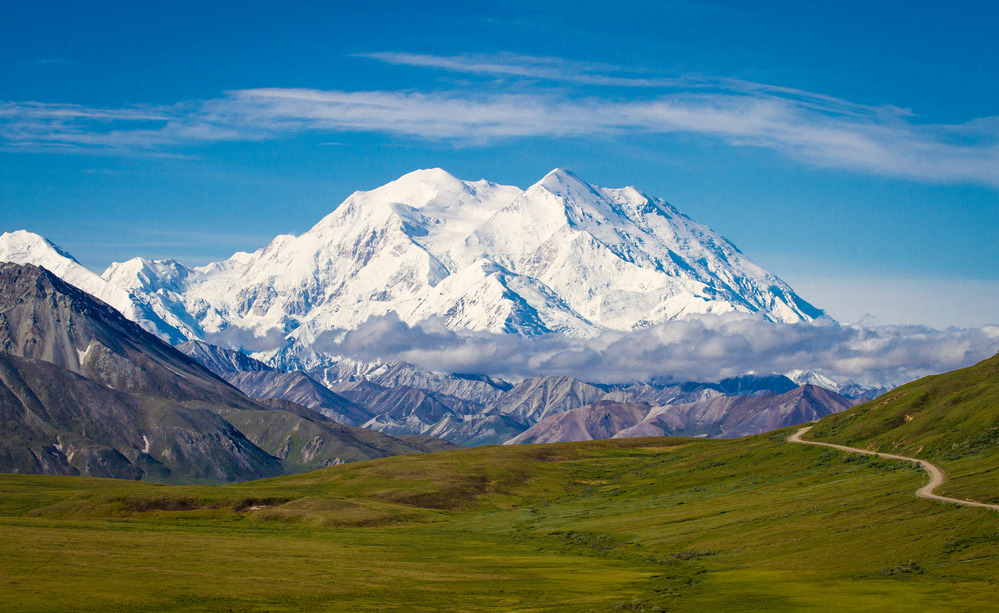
(429, 174)
(562, 182)
(431, 189)
(22, 246)
(560, 174)
(427, 179)
(140, 274)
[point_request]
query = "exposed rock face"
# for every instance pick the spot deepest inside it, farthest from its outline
(258, 380)
(554, 409)
(539, 397)
(755, 385)
(44, 318)
(57, 422)
(342, 373)
(734, 416)
(304, 440)
(220, 360)
(601, 419)
(298, 387)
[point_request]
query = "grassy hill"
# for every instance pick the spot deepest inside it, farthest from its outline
(950, 419)
(633, 525)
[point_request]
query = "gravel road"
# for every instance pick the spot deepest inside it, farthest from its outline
(937, 476)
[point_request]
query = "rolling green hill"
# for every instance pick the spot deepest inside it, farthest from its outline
(950, 419)
(632, 524)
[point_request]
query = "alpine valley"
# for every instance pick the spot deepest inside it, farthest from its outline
(560, 259)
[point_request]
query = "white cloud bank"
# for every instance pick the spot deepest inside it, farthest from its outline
(812, 128)
(705, 348)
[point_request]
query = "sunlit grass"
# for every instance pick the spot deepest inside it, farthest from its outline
(605, 525)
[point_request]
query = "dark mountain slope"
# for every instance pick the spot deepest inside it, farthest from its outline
(57, 422)
(753, 385)
(602, 419)
(45, 318)
(305, 440)
(538, 397)
(220, 360)
(300, 388)
(734, 416)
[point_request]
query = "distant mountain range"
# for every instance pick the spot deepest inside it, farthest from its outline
(401, 398)
(83, 390)
(718, 417)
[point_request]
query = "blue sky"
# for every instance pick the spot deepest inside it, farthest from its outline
(850, 147)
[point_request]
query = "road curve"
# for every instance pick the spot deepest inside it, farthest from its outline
(937, 476)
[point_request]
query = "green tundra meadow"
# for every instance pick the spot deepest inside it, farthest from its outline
(619, 525)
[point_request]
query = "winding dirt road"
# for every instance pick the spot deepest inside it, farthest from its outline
(937, 476)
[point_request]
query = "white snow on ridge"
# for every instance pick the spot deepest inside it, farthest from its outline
(809, 377)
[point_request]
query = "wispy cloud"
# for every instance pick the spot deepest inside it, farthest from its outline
(531, 67)
(72, 126)
(565, 71)
(812, 128)
(54, 61)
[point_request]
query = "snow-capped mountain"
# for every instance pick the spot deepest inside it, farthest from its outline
(810, 377)
(562, 256)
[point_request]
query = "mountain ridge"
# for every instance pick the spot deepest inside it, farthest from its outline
(717, 417)
(562, 256)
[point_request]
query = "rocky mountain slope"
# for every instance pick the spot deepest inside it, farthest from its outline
(44, 318)
(257, 380)
(57, 422)
(341, 374)
(602, 419)
(734, 416)
(220, 360)
(83, 390)
(22, 247)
